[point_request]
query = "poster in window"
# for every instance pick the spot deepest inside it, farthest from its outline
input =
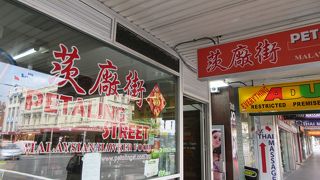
(218, 152)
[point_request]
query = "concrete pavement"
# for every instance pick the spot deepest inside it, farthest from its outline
(309, 170)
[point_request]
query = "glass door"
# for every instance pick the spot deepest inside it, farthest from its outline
(284, 152)
(193, 117)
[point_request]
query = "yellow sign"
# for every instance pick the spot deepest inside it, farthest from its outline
(281, 97)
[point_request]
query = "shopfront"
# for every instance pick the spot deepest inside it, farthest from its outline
(265, 103)
(76, 106)
(289, 145)
(309, 126)
(253, 69)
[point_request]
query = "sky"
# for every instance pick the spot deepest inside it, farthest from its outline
(13, 76)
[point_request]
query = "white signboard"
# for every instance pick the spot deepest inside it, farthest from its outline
(268, 153)
(91, 166)
(151, 167)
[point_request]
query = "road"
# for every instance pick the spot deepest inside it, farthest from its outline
(50, 166)
(53, 166)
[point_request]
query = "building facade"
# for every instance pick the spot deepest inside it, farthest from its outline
(78, 80)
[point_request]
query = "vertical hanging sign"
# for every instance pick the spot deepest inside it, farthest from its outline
(267, 152)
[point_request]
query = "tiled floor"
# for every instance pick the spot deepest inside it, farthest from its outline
(309, 170)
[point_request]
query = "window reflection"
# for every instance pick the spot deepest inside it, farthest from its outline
(66, 133)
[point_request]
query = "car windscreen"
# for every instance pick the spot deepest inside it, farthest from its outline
(10, 146)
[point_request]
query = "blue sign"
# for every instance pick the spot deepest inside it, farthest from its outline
(307, 123)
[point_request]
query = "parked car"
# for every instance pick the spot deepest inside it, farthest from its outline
(22, 144)
(10, 151)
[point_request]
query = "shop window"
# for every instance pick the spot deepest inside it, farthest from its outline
(12, 112)
(9, 111)
(248, 140)
(84, 102)
(11, 126)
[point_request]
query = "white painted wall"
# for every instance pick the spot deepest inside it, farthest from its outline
(193, 87)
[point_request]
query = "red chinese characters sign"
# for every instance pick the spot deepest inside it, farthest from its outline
(66, 68)
(106, 83)
(276, 50)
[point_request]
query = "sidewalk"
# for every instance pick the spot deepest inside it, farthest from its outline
(310, 170)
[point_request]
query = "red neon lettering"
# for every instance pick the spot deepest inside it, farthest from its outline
(274, 93)
(73, 147)
(139, 132)
(91, 147)
(65, 100)
(78, 108)
(40, 148)
(123, 131)
(131, 132)
(90, 113)
(109, 112)
(79, 147)
(106, 133)
(122, 114)
(114, 131)
(114, 113)
(59, 148)
(100, 147)
(66, 147)
(29, 148)
(48, 147)
(85, 148)
(145, 132)
(51, 100)
(100, 111)
(126, 131)
(33, 98)
(111, 147)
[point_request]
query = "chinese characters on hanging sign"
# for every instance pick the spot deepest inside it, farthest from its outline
(242, 56)
(281, 49)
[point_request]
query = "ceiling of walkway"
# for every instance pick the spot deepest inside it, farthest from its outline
(177, 21)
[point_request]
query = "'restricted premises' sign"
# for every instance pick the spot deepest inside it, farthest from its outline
(281, 97)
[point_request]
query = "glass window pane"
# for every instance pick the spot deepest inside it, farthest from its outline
(80, 107)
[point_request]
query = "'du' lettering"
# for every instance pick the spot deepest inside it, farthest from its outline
(307, 92)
